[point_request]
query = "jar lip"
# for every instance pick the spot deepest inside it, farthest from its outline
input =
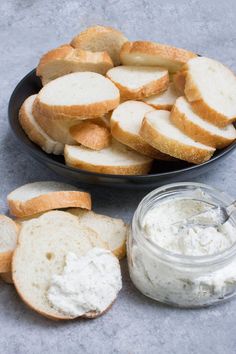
(187, 260)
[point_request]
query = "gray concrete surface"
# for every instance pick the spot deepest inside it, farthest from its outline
(135, 324)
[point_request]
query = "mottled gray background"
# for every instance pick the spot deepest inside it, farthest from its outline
(134, 324)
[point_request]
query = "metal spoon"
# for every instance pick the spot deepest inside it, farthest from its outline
(222, 215)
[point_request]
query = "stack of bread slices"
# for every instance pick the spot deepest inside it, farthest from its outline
(113, 106)
(64, 263)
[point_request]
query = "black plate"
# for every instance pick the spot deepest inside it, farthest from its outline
(161, 173)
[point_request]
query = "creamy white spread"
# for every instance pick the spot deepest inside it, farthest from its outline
(88, 283)
(188, 237)
(176, 283)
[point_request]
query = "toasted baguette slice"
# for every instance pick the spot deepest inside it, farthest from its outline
(211, 89)
(116, 159)
(101, 39)
(8, 238)
(83, 94)
(65, 60)
(126, 121)
(91, 135)
(7, 277)
(183, 117)
(164, 100)
(158, 129)
(137, 82)
(43, 245)
(33, 198)
(34, 130)
(154, 54)
(113, 231)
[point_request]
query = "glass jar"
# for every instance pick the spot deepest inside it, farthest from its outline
(174, 279)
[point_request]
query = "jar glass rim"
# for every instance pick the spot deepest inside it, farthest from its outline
(166, 255)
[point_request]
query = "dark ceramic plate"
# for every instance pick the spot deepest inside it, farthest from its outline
(161, 173)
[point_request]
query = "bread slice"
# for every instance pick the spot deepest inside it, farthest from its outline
(137, 82)
(83, 94)
(164, 100)
(126, 121)
(159, 131)
(179, 80)
(93, 136)
(101, 39)
(7, 277)
(154, 54)
(116, 159)
(113, 231)
(183, 117)
(43, 246)
(36, 197)
(8, 239)
(66, 59)
(211, 89)
(34, 131)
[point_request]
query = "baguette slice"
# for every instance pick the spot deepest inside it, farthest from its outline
(116, 159)
(179, 80)
(137, 82)
(183, 117)
(164, 100)
(158, 129)
(113, 231)
(83, 94)
(126, 121)
(44, 243)
(93, 136)
(154, 54)
(8, 239)
(211, 89)
(101, 39)
(34, 130)
(65, 60)
(37, 197)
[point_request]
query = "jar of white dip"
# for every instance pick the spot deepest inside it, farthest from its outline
(186, 266)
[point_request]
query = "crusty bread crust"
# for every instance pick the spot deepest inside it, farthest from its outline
(72, 60)
(53, 200)
(152, 88)
(173, 147)
(196, 132)
(136, 142)
(93, 136)
(179, 81)
(139, 169)
(7, 277)
(36, 136)
(103, 39)
(177, 55)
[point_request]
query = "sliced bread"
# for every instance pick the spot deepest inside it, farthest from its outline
(33, 198)
(159, 131)
(164, 100)
(83, 94)
(179, 81)
(45, 244)
(7, 277)
(34, 130)
(211, 89)
(126, 121)
(65, 60)
(113, 231)
(8, 239)
(154, 54)
(137, 82)
(116, 159)
(101, 39)
(93, 136)
(183, 117)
